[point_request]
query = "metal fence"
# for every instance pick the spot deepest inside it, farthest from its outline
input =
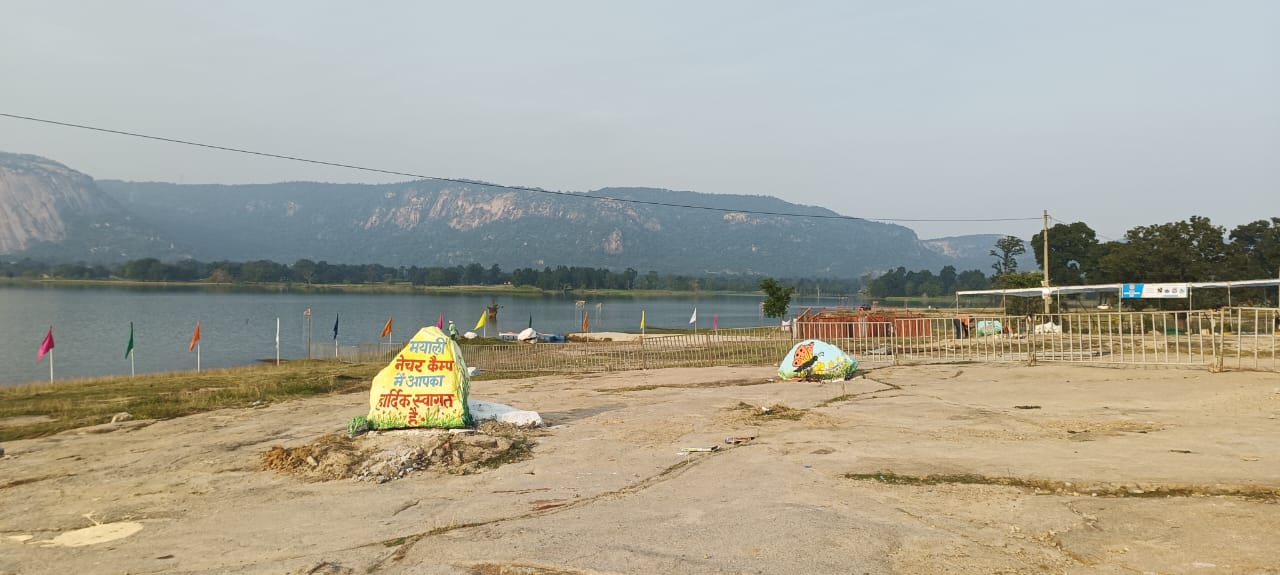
(1230, 338)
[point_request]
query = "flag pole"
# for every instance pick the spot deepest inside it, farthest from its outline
(277, 340)
(128, 352)
(643, 363)
(50, 366)
(197, 356)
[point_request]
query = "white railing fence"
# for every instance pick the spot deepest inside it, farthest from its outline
(1228, 338)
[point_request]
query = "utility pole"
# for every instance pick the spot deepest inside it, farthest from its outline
(1045, 281)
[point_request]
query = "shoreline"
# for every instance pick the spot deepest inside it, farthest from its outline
(397, 288)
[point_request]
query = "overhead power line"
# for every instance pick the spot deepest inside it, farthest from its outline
(489, 185)
(1096, 233)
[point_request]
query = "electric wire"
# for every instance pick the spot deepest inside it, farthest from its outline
(491, 185)
(1095, 232)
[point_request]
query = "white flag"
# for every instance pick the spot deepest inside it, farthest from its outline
(277, 332)
(694, 318)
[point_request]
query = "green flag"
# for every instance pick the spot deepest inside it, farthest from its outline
(530, 321)
(128, 350)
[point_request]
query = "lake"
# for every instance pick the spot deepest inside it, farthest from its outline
(238, 326)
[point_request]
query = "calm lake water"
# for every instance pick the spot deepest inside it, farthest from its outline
(238, 327)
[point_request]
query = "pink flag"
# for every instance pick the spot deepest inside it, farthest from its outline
(440, 322)
(46, 346)
(715, 321)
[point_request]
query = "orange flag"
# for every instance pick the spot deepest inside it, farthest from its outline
(194, 337)
(586, 321)
(386, 329)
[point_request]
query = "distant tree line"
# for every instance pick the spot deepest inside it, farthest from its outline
(305, 271)
(1187, 251)
(1193, 250)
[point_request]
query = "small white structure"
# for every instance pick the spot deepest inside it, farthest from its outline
(1048, 327)
(484, 410)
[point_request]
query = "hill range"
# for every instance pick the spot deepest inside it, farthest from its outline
(49, 211)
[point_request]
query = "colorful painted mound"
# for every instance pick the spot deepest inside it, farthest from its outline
(814, 359)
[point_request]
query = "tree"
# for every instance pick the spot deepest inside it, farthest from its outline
(1259, 245)
(1187, 251)
(948, 278)
(1016, 280)
(777, 297)
(1007, 250)
(972, 280)
(493, 276)
(1259, 242)
(893, 283)
(1073, 253)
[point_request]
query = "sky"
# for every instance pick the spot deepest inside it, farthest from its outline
(1114, 113)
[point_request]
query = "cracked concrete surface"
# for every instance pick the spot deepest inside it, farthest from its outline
(1183, 466)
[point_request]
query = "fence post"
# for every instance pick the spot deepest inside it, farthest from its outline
(1031, 339)
(1216, 339)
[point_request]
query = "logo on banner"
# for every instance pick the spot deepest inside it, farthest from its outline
(1134, 291)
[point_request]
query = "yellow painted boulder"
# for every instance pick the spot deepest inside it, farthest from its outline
(424, 386)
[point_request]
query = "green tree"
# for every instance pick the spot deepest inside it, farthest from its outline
(1259, 246)
(473, 274)
(305, 270)
(1016, 280)
(1073, 253)
(948, 278)
(893, 283)
(261, 271)
(777, 297)
(1259, 243)
(1006, 253)
(493, 276)
(1187, 251)
(972, 280)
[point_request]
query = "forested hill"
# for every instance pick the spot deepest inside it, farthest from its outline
(53, 213)
(430, 223)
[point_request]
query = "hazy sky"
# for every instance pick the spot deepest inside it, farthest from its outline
(1116, 113)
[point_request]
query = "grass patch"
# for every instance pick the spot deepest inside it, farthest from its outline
(67, 405)
(837, 399)
(763, 413)
(696, 385)
(520, 450)
(496, 375)
(1053, 487)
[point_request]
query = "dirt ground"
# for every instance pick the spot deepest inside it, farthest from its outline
(931, 469)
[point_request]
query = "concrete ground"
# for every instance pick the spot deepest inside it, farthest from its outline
(927, 469)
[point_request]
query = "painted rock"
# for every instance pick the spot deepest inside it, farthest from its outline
(817, 359)
(425, 385)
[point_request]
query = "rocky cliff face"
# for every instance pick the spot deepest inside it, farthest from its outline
(37, 196)
(50, 210)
